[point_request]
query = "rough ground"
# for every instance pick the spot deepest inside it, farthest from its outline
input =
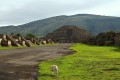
(21, 64)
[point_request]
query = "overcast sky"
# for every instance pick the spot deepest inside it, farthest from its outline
(15, 12)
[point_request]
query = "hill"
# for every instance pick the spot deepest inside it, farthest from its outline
(69, 34)
(92, 23)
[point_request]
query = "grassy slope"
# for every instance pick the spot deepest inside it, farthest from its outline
(89, 63)
(92, 23)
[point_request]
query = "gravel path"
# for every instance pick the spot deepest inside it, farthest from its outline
(21, 64)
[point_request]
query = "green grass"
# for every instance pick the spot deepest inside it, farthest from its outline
(88, 63)
(11, 47)
(15, 47)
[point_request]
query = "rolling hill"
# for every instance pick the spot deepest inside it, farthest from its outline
(92, 23)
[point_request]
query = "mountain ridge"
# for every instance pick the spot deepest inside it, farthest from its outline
(92, 23)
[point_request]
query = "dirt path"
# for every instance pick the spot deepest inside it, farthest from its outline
(21, 64)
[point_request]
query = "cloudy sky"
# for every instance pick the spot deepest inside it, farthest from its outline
(15, 12)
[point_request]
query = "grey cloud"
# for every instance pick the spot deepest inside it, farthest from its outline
(31, 10)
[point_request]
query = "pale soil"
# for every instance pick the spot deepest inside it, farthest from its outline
(21, 64)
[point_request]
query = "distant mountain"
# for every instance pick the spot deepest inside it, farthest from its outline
(92, 23)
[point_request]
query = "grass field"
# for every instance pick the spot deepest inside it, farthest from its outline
(13, 47)
(88, 63)
(10, 47)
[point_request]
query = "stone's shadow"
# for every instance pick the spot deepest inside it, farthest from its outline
(45, 75)
(117, 49)
(50, 75)
(112, 69)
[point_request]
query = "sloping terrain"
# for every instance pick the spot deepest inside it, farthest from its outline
(69, 34)
(92, 23)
